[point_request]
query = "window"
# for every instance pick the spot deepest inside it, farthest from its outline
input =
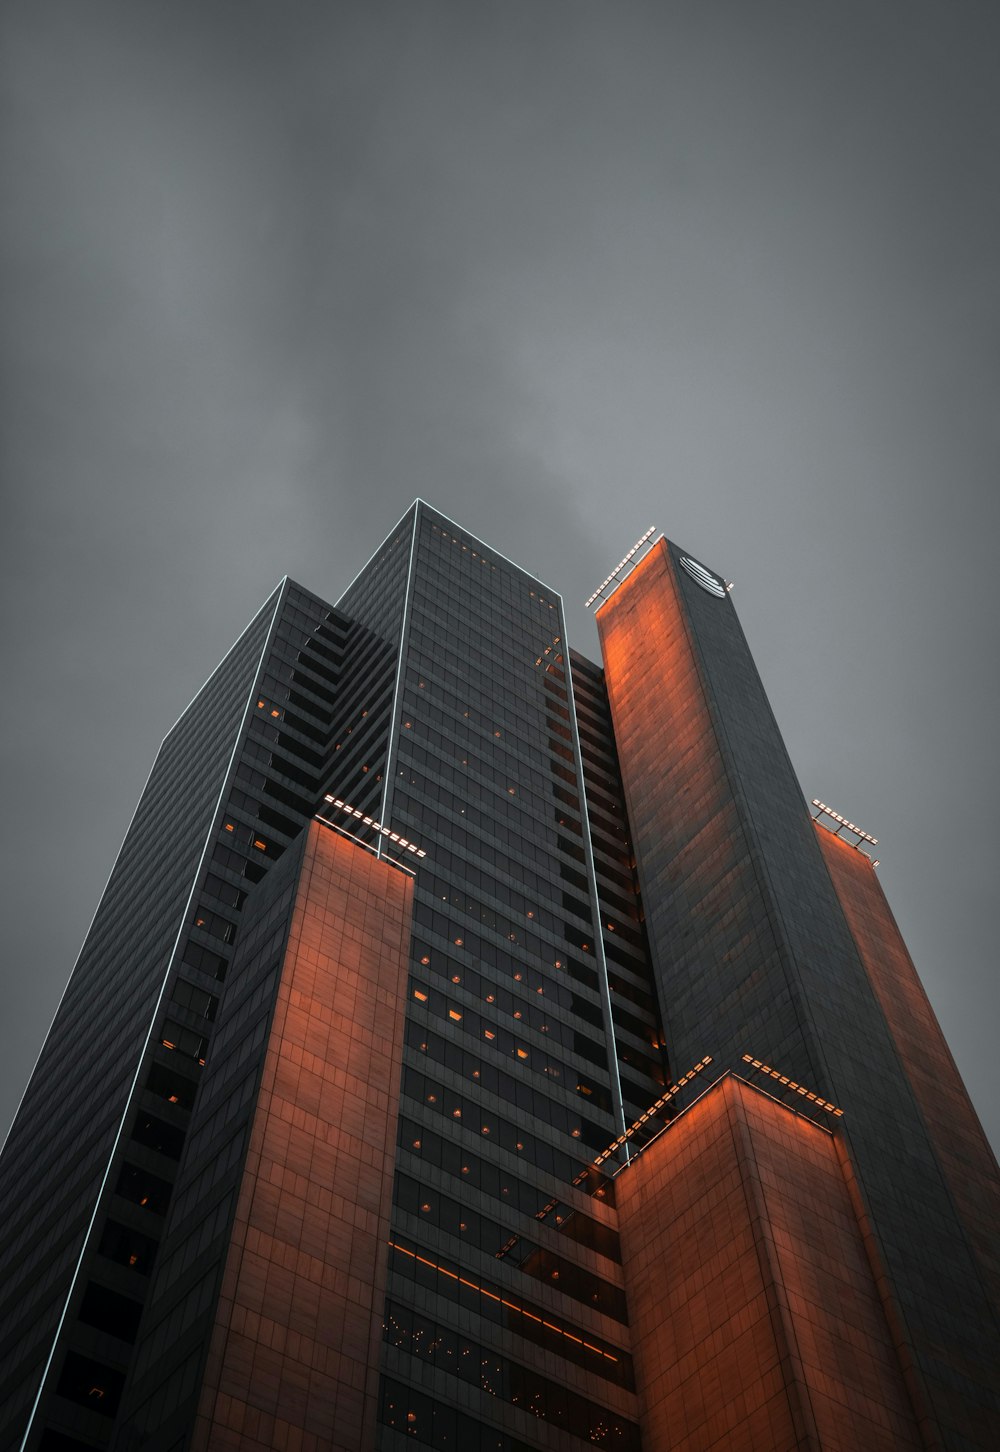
(114, 1314)
(128, 1247)
(167, 1084)
(198, 957)
(184, 1041)
(90, 1384)
(144, 1188)
(215, 924)
(185, 995)
(166, 1139)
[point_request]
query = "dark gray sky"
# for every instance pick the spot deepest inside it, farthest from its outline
(565, 270)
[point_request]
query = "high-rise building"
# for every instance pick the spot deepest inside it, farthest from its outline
(478, 1048)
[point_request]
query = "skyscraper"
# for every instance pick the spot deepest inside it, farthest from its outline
(479, 1048)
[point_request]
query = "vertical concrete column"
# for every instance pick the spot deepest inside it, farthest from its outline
(294, 1355)
(963, 1151)
(755, 1316)
(720, 959)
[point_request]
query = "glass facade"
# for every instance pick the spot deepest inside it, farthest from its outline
(504, 1235)
(83, 1082)
(231, 786)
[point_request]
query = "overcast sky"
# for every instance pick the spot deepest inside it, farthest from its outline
(565, 270)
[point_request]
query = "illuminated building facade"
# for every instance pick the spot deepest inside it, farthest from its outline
(479, 1048)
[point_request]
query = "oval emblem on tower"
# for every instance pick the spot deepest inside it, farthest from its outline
(704, 577)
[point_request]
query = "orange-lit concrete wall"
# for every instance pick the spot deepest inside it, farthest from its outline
(962, 1148)
(705, 896)
(756, 1322)
(294, 1355)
